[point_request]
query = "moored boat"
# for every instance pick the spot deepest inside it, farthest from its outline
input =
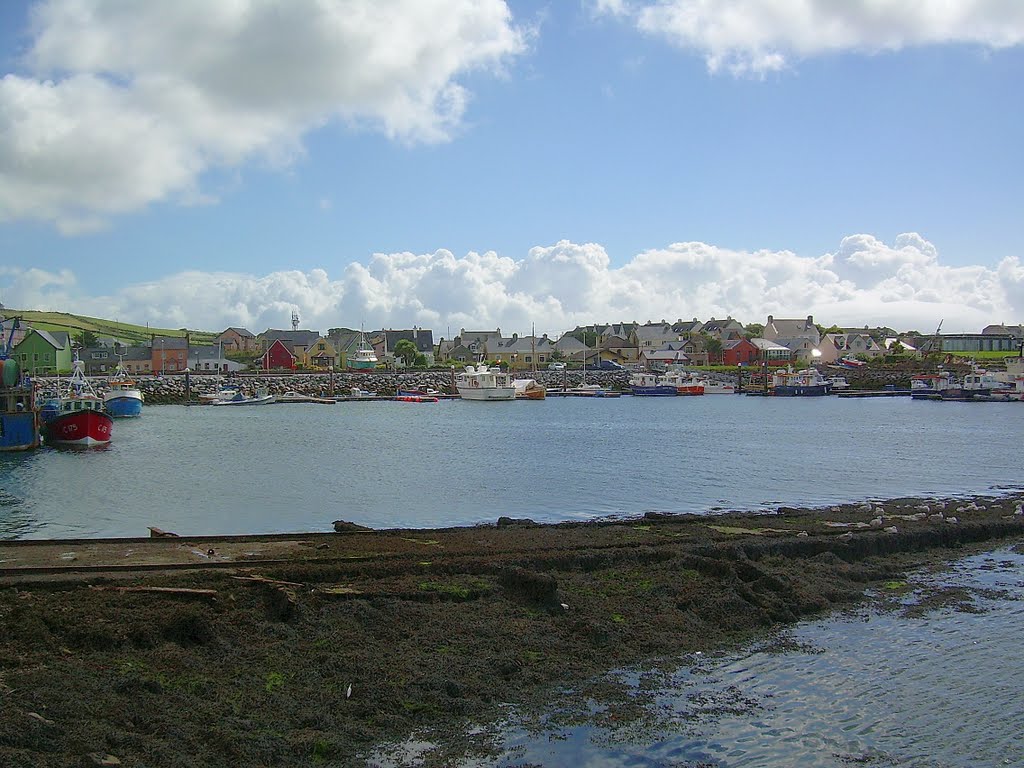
(483, 383)
(19, 421)
(416, 396)
(529, 389)
(979, 385)
(76, 416)
(686, 384)
(123, 399)
(929, 386)
(260, 397)
(649, 385)
(805, 383)
(365, 359)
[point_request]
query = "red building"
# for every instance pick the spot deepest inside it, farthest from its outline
(739, 351)
(277, 356)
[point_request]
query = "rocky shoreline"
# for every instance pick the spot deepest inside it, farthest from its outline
(317, 649)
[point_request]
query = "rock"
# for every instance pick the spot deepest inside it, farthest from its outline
(952, 520)
(803, 534)
(344, 526)
(891, 529)
(504, 522)
(876, 522)
(100, 759)
(937, 516)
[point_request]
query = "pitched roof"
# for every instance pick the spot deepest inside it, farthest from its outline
(423, 338)
(56, 339)
(169, 342)
(245, 334)
(290, 338)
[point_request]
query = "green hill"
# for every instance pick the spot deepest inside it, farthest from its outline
(76, 324)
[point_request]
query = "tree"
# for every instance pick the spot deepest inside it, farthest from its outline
(714, 347)
(407, 351)
(754, 330)
(88, 339)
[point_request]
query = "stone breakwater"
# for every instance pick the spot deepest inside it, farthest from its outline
(163, 390)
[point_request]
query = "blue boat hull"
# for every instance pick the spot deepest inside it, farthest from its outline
(657, 391)
(18, 431)
(122, 407)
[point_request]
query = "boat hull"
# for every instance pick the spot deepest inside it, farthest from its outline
(19, 431)
(124, 405)
(79, 428)
(487, 393)
(660, 390)
(689, 390)
(362, 365)
(802, 390)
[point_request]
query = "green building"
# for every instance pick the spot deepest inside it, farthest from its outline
(43, 352)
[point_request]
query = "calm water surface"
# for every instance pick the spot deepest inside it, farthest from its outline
(298, 467)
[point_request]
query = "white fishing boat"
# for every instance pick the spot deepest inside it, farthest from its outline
(260, 397)
(483, 383)
(364, 359)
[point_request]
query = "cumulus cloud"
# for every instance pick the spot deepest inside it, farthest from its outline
(118, 105)
(758, 36)
(863, 282)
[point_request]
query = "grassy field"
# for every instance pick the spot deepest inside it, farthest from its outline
(76, 324)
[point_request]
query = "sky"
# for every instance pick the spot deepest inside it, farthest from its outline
(480, 164)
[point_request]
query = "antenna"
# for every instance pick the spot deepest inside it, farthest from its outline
(295, 320)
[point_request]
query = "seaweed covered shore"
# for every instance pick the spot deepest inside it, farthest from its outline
(316, 649)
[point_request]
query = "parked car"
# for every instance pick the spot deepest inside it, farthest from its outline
(610, 365)
(556, 367)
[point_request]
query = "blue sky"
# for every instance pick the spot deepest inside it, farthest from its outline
(455, 164)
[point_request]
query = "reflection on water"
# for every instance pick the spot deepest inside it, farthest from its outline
(876, 689)
(299, 467)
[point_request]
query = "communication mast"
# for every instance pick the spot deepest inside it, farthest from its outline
(295, 320)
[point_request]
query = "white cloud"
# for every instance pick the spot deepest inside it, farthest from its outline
(122, 104)
(758, 36)
(864, 282)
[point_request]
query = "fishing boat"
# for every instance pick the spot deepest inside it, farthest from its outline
(365, 359)
(416, 395)
(806, 383)
(76, 415)
(483, 383)
(979, 385)
(686, 384)
(838, 383)
(650, 385)
(260, 397)
(529, 389)
(929, 386)
(123, 398)
(355, 393)
(19, 422)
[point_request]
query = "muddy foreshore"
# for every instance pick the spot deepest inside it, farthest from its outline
(317, 649)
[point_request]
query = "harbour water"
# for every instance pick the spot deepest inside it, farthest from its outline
(298, 467)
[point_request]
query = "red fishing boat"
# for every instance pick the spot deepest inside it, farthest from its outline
(76, 416)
